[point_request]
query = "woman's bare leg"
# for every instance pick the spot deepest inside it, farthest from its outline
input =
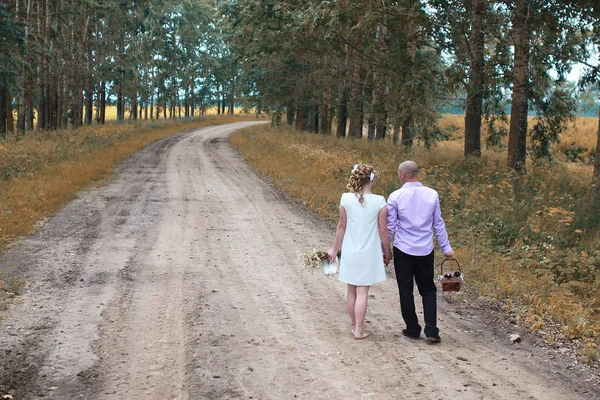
(360, 310)
(351, 302)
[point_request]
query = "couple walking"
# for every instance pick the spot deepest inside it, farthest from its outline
(368, 223)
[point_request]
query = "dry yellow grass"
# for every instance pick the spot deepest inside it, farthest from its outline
(581, 133)
(531, 243)
(42, 171)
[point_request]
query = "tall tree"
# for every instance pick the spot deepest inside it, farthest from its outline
(517, 136)
(11, 37)
(476, 85)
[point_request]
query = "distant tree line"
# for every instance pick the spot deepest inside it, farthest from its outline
(389, 67)
(63, 60)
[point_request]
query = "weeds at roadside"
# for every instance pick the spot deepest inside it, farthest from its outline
(10, 288)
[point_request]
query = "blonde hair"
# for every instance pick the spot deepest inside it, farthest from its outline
(360, 176)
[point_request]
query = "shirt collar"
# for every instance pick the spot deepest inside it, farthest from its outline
(412, 184)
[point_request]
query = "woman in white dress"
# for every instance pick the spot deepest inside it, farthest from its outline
(361, 232)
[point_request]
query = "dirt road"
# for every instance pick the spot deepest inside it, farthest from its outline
(178, 281)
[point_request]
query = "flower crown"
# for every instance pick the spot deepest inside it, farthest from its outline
(355, 168)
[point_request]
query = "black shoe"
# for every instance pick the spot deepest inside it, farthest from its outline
(434, 339)
(408, 335)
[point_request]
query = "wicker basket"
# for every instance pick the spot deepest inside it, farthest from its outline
(454, 283)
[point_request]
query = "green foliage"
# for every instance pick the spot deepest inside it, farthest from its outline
(11, 43)
(553, 115)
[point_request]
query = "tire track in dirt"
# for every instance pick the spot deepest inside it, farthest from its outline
(178, 280)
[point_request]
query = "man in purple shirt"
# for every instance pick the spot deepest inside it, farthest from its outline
(413, 214)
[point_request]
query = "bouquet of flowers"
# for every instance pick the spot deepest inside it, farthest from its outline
(313, 259)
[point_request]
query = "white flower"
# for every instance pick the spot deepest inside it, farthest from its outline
(372, 176)
(355, 168)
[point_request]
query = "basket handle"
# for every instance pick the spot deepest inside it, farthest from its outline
(451, 259)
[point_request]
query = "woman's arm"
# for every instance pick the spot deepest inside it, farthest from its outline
(384, 234)
(339, 235)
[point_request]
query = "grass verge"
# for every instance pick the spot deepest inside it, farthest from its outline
(529, 242)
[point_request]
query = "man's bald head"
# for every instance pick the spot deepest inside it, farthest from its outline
(409, 168)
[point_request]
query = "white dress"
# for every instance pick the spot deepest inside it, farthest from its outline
(362, 257)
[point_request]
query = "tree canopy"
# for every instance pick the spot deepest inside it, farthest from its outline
(343, 67)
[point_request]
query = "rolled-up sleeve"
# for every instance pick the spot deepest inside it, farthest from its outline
(392, 216)
(440, 228)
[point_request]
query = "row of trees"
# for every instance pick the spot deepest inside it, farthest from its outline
(395, 64)
(330, 66)
(62, 61)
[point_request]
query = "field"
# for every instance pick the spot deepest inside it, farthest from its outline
(531, 242)
(577, 142)
(111, 113)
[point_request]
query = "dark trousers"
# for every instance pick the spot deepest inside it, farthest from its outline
(420, 269)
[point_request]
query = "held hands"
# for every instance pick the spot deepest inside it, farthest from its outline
(387, 257)
(332, 253)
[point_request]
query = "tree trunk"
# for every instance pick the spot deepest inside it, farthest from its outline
(59, 102)
(29, 114)
(380, 83)
(218, 100)
(290, 114)
(23, 13)
(22, 112)
(517, 136)
(475, 86)
(407, 132)
(356, 101)
(120, 104)
(89, 91)
(410, 33)
(41, 107)
(342, 111)
(77, 108)
(301, 118)
(233, 85)
(396, 134)
(325, 127)
(314, 123)
(186, 102)
(597, 158)
(151, 101)
(2, 113)
(89, 106)
(54, 105)
(134, 106)
(10, 119)
(192, 100)
(64, 102)
(40, 70)
(102, 94)
(371, 127)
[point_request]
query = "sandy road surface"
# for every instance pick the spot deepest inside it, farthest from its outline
(178, 281)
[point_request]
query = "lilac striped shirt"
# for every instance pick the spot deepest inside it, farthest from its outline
(413, 214)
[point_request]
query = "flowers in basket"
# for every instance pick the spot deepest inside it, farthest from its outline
(313, 259)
